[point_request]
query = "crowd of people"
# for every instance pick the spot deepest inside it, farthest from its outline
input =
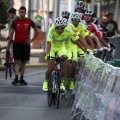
(72, 35)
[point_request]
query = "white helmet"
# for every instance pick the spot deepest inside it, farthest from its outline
(60, 21)
(89, 12)
(65, 14)
(80, 4)
(75, 15)
(80, 15)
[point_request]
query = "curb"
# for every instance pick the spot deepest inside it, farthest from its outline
(31, 65)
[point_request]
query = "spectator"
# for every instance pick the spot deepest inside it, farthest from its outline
(38, 20)
(21, 47)
(112, 26)
(103, 26)
(44, 23)
(12, 13)
(102, 14)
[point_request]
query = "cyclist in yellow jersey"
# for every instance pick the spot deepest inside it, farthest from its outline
(56, 38)
(66, 14)
(72, 51)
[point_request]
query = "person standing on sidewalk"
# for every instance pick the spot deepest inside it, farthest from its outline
(12, 13)
(112, 26)
(21, 45)
(38, 20)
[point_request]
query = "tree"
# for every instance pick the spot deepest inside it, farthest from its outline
(4, 4)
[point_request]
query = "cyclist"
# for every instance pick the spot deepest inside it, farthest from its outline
(72, 51)
(11, 14)
(66, 14)
(56, 38)
(21, 46)
(92, 27)
(79, 7)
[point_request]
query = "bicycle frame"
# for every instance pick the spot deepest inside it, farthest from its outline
(54, 85)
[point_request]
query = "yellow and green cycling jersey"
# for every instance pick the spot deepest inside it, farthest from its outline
(60, 43)
(73, 46)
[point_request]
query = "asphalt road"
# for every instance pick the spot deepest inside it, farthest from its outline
(29, 102)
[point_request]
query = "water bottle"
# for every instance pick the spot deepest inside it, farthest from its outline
(55, 76)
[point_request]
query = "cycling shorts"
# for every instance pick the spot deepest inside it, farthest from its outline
(60, 51)
(74, 51)
(69, 53)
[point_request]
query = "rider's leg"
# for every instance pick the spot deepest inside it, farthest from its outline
(49, 70)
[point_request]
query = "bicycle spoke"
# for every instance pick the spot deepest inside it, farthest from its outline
(49, 94)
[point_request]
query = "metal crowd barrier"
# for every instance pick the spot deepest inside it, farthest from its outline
(97, 91)
(116, 42)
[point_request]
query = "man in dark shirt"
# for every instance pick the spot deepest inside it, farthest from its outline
(112, 26)
(21, 45)
(103, 26)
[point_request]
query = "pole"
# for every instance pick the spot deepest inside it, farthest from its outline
(47, 27)
(10, 5)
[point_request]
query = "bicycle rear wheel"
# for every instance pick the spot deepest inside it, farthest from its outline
(58, 91)
(7, 64)
(10, 70)
(57, 98)
(6, 71)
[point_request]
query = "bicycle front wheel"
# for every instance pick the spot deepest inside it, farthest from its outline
(49, 94)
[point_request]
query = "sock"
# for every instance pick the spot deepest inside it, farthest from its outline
(16, 77)
(21, 78)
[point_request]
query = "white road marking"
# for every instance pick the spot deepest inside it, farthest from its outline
(28, 108)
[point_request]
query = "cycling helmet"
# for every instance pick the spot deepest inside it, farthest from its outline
(80, 4)
(89, 12)
(11, 10)
(65, 14)
(80, 16)
(75, 15)
(60, 21)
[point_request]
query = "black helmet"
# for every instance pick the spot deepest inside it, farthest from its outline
(11, 10)
(80, 4)
(65, 14)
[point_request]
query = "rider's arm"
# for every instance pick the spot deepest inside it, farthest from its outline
(89, 40)
(83, 42)
(103, 42)
(94, 37)
(79, 44)
(48, 47)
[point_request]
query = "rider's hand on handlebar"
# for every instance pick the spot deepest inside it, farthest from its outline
(47, 57)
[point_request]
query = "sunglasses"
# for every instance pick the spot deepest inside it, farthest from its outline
(60, 27)
(105, 23)
(74, 20)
